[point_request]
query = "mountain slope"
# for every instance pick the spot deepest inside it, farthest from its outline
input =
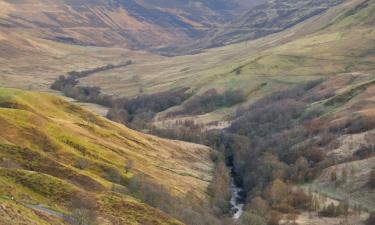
(270, 17)
(325, 46)
(53, 150)
(260, 20)
(126, 23)
(150, 24)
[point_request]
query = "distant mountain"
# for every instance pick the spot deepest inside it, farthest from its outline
(154, 24)
(125, 23)
(259, 19)
(269, 17)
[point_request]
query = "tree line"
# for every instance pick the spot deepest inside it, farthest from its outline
(277, 142)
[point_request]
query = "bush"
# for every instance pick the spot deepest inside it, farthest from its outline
(276, 192)
(371, 181)
(259, 206)
(198, 213)
(365, 152)
(83, 210)
(371, 219)
(249, 218)
(81, 163)
(300, 200)
(361, 124)
(275, 218)
(333, 210)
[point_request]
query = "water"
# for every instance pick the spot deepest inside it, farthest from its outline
(236, 200)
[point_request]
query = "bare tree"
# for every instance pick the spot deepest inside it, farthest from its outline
(128, 165)
(83, 210)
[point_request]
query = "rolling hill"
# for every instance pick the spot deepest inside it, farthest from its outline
(52, 151)
(261, 19)
(126, 23)
(339, 41)
(148, 24)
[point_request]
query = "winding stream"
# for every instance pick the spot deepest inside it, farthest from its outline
(236, 199)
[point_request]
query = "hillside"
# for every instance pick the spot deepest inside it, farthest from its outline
(260, 20)
(337, 42)
(52, 150)
(148, 24)
(39, 45)
(134, 24)
(290, 111)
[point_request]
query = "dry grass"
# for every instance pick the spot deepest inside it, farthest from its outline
(44, 133)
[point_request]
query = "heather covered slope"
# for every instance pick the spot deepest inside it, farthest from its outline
(51, 150)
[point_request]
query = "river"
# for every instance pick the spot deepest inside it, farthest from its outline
(236, 200)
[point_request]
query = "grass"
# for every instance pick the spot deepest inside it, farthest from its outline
(305, 52)
(46, 136)
(51, 188)
(339, 41)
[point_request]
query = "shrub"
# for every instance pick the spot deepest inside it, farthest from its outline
(277, 191)
(371, 219)
(114, 175)
(333, 210)
(275, 218)
(249, 218)
(361, 124)
(159, 197)
(219, 189)
(81, 163)
(371, 181)
(365, 152)
(83, 210)
(300, 200)
(329, 211)
(259, 206)
(128, 165)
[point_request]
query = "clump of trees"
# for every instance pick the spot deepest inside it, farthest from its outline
(219, 189)
(139, 111)
(68, 85)
(82, 210)
(371, 219)
(274, 143)
(211, 100)
(72, 77)
(186, 130)
(188, 209)
(136, 112)
(333, 210)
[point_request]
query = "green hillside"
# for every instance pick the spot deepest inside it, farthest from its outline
(337, 42)
(53, 152)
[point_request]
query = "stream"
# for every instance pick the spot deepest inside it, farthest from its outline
(236, 200)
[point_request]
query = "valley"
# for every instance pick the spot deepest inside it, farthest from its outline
(156, 112)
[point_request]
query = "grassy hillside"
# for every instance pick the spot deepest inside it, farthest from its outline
(51, 151)
(338, 42)
(267, 17)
